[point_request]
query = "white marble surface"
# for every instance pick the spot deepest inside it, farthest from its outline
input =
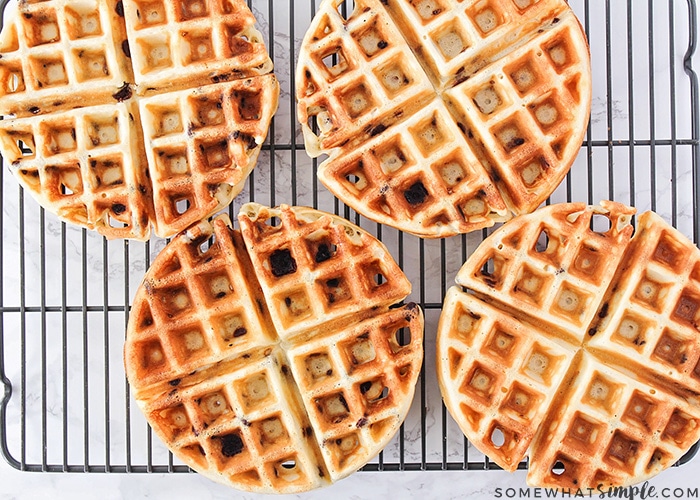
(78, 347)
(681, 482)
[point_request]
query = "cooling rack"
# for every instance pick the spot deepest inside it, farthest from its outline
(65, 292)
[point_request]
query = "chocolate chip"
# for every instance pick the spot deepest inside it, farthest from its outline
(282, 262)
(239, 332)
(231, 445)
(365, 386)
(377, 130)
(333, 282)
(323, 253)
(382, 44)
(34, 110)
(123, 93)
(119, 9)
(517, 141)
(118, 208)
(126, 49)
(416, 194)
(175, 382)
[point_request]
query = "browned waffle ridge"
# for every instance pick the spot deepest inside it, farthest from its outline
(442, 117)
(122, 115)
(575, 346)
(273, 359)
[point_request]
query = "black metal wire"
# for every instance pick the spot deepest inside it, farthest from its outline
(104, 455)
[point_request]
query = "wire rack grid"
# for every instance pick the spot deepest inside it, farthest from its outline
(65, 292)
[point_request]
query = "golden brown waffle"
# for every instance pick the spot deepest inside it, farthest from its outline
(180, 125)
(192, 43)
(579, 349)
(60, 54)
(316, 270)
(87, 166)
(204, 143)
(254, 406)
(442, 117)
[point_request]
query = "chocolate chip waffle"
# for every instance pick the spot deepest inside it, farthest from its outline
(255, 405)
(60, 54)
(191, 43)
(443, 117)
(122, 115)
(576, 345)
(317, 270)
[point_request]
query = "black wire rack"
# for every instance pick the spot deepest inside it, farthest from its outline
(65, 292)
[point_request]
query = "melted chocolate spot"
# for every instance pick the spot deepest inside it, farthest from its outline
(323, 253)
(518, 141)
(123, 93)
(282, 263)
(239, 332)
(377, 130)
(118, 208)
(231, 445)
(416, 194)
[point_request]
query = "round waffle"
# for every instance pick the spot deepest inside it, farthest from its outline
(576, 346)
(442, 116)
(125, 114)
(274, 359)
